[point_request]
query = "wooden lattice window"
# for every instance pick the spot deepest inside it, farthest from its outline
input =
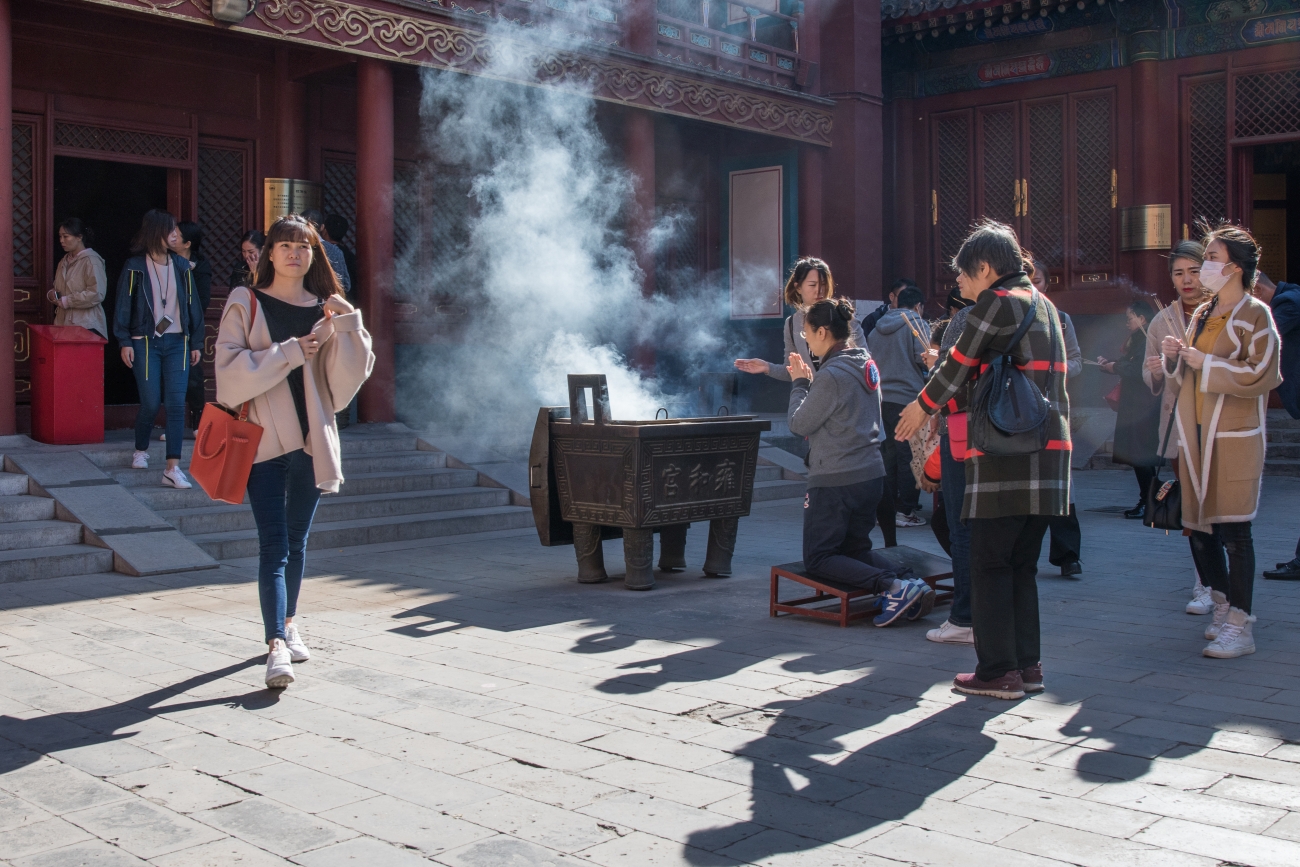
(1045, 198)
(1094, 182)
(24, 208)
(1267, 103)
(406, 211)
(1207, 141)
(221, 207)
(81, 136)
(952, 134)
(998, 165)
(340, 194)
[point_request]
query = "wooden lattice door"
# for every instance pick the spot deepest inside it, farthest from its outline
(1043, 187)
(952, 198)
(1093, 178)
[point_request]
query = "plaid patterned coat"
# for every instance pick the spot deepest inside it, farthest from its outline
(1002, 485)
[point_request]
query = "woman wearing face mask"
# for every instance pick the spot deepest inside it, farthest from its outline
(1224, 366)
(1185, 272)
(1138, 416)
(838, 410)
(810, 281)
(296, 351)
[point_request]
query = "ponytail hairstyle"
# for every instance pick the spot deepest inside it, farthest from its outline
(77, 228)
(835, 314)
(800, 272)
(1243, 249)
(320, 280)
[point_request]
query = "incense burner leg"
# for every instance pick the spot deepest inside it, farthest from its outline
(590, 553)
(638, 554)
(672, 547)
(722, 544)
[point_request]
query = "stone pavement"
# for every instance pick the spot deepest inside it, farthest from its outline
(469, 705)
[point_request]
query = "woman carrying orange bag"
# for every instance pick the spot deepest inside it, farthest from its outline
(300, 360)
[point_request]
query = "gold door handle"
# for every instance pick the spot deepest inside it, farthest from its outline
(1114, 188)
(1024, 197)
(934, 207)
(1016, 199)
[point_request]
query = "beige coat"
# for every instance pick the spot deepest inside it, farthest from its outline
(250, 367)
(1169, 322)
(1219, 470)
(81, 280)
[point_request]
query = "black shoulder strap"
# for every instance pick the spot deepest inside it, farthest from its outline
(1024, 324)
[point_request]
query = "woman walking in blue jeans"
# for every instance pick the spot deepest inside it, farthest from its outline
(296, 351)
(158, 323)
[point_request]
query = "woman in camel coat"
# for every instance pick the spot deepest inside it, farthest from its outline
(1224, 367)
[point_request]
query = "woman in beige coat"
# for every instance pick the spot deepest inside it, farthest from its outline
(1225, 366)
(1185, 272)
(296, 351)
(79, 280)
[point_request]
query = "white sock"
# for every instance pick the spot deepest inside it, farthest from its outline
(897, 585)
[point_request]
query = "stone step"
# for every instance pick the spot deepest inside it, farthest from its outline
(27, 564)
(1282, 467)
(767, 473)
(118, 455)
(778, 489)
(223, 518)
(393, 463)
(1286, 435)
(12, 484)
(38, 534)
(368, 531)
(1283, 450)
(26, 508)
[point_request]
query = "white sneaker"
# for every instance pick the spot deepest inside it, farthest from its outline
(139, 460)
(950, 634)
(1235, 638)
(298, 651)
(908, 519)
(1201, 602)
(279, 668)
(1220, 615)
(175, 477)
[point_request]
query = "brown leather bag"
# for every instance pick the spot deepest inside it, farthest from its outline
(225, 447)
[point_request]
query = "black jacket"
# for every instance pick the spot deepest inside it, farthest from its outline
(1286, 317)
(134, 314)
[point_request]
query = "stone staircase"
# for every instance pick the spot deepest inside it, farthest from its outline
(770, 483)
(1282, 458)
(35, 544)
(397, 488)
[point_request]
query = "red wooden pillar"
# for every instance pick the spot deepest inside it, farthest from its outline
(290, 119)
(851, 75)
(7, 420)
(812, 158)
(375, 230)
(1155, 174)
(639, 153)
(641, 27)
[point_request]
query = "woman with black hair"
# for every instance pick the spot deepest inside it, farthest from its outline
(189, 246)
(159, 325)
(1137, 433)
(295, 351)
(79, 281)
(250, 250)
(1225, 366)
(838, 410)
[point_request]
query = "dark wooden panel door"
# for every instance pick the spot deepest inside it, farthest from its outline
(1093, 178)
(998, 164)
(952, 198)
(1043, 186)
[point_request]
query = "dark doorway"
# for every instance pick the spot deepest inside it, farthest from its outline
(110, 198)
(1275, 218)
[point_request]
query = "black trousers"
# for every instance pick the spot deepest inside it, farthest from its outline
(837, 526)
(1226, 561)
(1066, 538)
(195, 396)
(1004, 592)
(900, 484)
(1144, 477)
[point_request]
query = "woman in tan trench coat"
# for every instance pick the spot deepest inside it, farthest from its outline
(1225, 366)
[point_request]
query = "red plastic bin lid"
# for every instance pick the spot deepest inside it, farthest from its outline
(66, 334)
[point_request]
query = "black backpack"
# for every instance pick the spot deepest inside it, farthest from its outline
(1009, 414)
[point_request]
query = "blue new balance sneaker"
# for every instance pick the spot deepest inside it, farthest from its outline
(926, 604)
(897, 603)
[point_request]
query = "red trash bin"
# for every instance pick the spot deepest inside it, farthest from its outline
(67, 385)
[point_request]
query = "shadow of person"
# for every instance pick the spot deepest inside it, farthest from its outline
(50, 733)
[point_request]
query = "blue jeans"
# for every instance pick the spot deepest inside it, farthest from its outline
(283, 494)
(161, 367)
(837, 526)
(953, 482)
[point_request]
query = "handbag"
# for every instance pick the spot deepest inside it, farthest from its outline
(1112, 397)
(225, 447)
(957, 436)
(1009, 414)
(1164, 500)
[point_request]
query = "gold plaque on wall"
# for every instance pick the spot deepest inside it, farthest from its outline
(288, 196)
(1145, 227)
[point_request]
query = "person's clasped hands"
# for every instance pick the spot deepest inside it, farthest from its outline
(1173, 348)
(798, 368)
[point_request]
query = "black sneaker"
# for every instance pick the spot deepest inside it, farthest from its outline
(1071, 569)
(1137, 513)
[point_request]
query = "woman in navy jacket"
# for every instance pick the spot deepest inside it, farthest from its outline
(158, 324)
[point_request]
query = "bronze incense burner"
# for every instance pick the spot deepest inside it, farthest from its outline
(592, 478)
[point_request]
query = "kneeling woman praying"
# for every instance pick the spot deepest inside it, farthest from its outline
(296, 351)
(838, 410)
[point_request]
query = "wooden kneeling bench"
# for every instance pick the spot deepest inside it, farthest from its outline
(929, 567)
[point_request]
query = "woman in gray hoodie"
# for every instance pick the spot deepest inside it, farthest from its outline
(838, 410)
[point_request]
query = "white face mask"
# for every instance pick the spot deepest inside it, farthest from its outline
(1212, 276)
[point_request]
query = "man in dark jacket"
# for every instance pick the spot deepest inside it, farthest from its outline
(899, 350)
(1284, 299)
(1009, 498)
